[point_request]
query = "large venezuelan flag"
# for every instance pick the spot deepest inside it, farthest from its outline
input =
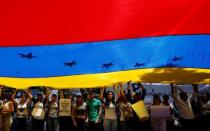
(93, 43)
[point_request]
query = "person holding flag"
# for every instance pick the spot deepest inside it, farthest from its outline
(22, 113)
(7, 110)
(94, 112)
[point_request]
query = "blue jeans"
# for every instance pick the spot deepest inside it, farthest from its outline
(52, 124)
(110, 125)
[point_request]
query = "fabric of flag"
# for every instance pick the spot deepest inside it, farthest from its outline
(94, 43)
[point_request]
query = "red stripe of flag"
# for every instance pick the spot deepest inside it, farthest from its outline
(43, 22)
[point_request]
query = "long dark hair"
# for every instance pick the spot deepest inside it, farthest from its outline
(108, 101)
(79, 96)
(156, 97)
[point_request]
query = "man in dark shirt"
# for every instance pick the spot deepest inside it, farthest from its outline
(138, 94)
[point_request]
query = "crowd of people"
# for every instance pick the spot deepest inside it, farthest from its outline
(102, 110)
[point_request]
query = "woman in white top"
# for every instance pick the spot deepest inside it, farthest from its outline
(22, 105)
(110, 119)
(53, 111)
(79, 113)
(7, 110)
(182, 101)
(205, 104)
(1, 105)
(126, 113)
(38, 113)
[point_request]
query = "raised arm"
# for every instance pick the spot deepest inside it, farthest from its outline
(1, 88)
(121, 88)
(195, 93)
(47, 95)
(101, 96)
(115, 89)
(174, 92)
(61, 94)
(128, 95)
(13, 95)
(134, 87)
(143, 90)
(28, 92)
(129, 86)
(172, 89)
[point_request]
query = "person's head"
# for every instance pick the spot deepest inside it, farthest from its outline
(156, 99)
(124, 92)
(110, 96)
(204, 98)
(39, 96)
(23, 98)
(88, 97)
(8, 95)
(195, 87)
(136, 96)
(183, 96)
(91, 95)
(165, 99)
(123, 98)
(54, 97)
(79, 100)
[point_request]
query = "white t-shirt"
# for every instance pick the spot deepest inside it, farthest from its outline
(206, 107)
(38, 111)
(184, 108)
(80, 111)
(22, 109)
(53, 110)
